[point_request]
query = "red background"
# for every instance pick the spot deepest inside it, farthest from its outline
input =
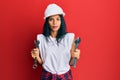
(97, 22)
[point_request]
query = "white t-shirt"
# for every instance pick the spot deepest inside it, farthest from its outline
(55, 57)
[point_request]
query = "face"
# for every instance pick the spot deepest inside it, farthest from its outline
(54, 22)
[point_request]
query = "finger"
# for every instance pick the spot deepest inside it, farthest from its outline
(31, 51)
(77, 50)
(35, 49)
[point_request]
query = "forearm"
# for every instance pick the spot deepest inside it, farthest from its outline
(71, 61)
(39, 60)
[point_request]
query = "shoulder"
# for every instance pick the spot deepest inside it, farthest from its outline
(70, 35)
(69, 39)
(40, 36)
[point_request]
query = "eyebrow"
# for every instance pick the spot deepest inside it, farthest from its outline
(56, 17)
(53, 18)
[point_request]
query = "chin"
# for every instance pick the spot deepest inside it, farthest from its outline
(55, 30)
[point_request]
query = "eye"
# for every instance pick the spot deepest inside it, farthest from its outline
(58, 19)
(50, 19)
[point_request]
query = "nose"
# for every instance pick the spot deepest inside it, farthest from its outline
(54, 22)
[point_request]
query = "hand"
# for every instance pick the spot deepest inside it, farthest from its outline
(35, 53)
(76, 53)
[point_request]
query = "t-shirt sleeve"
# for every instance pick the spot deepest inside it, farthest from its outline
(40, 39)
(70, 37)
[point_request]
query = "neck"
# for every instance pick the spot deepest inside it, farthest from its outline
(54, 34)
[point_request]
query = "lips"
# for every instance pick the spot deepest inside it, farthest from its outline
(55, 27)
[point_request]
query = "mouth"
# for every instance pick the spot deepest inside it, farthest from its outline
(54, 27)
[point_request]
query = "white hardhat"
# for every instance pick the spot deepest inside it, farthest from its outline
(53, 9)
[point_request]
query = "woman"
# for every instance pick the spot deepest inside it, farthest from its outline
(56, 48)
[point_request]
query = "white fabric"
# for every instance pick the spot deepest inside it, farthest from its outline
(55, 56)
(53, 9)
